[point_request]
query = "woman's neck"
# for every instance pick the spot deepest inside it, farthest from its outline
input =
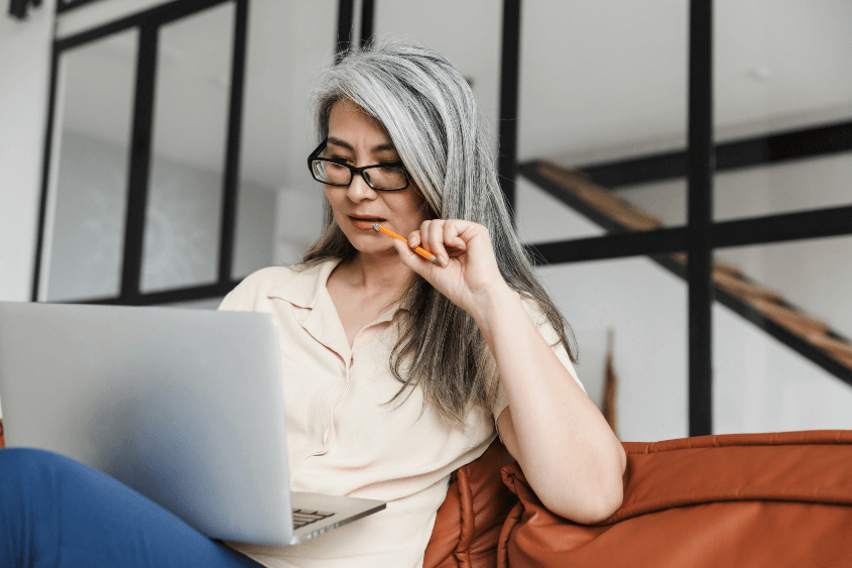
(376, 274)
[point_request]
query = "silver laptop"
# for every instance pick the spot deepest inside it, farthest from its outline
(184, 406)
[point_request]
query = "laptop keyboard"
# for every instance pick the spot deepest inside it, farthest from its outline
(302, 517)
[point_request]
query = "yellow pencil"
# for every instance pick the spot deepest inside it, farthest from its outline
(419, 250)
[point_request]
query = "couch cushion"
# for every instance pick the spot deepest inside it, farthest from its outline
(470, 519)
(758, 500)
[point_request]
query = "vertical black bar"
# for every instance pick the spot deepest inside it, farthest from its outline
(45, 172)
(345, 15)
(509, 82)
(700, 167)
(227, 227)
(18, 9)
(140, 160)
(367, 20)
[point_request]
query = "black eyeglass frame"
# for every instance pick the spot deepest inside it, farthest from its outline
(314, 156)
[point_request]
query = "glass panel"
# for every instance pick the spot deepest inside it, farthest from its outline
(255, 239)
(762, 384)
(643, 304)
(276, 192)
(85, 230)
(778, 67)
(587, 99)
(183, 217)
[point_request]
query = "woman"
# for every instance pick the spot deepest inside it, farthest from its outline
(395, 367)
(404, 391)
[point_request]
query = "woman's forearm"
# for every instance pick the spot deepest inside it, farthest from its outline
(568, 452)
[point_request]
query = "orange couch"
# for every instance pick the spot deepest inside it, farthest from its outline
(757, 500)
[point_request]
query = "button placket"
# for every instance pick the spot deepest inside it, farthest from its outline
(362, 339)
(330, 435)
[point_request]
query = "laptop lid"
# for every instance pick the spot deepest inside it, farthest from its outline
(184, 406)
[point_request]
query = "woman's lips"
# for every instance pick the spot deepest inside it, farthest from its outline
(365, 223)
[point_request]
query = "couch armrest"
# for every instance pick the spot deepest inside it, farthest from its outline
(470, 519)
(758, 500)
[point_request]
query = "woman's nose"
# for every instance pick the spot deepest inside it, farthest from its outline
(358, 190)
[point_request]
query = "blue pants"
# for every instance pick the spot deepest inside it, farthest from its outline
(57, 513)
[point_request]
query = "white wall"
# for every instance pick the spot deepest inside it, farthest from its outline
(640, 302)
(24, 76)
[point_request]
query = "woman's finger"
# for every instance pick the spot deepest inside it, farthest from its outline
(433, 240)
(413, 260)
(452, 236)
(415, 238)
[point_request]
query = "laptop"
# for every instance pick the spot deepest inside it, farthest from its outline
(184, 406)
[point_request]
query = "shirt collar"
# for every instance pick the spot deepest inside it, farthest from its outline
(305, 285)
(306, 288)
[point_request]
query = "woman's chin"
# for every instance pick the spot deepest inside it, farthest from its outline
(373, 249)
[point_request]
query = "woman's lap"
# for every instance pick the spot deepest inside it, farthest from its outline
(59, 513)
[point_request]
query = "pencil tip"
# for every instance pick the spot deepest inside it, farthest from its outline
(375, 226)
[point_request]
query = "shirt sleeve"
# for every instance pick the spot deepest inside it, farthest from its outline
(250, 294)
(229, 302)
(539, 318)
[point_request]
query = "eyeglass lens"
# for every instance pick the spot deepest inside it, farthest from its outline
(377, 177)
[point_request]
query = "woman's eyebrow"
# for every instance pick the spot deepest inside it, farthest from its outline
(384, 147)
(378, 148)
(341, 143)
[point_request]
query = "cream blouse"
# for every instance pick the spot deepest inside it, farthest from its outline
(342, 437)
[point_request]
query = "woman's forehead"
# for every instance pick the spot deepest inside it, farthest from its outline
(351, 124)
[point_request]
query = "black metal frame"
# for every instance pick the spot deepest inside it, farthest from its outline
(700, 217)
(65, 5)
(700, 236)
(148, 23)
(659, 243)
(345, 18)
(747, 152)
(20, 8)
(368, 17)
(510, 69)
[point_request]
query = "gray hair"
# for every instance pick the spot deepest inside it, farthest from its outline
(430, 113)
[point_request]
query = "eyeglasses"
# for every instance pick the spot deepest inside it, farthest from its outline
(381, 177)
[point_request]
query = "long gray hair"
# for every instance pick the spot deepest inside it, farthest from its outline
(429, 111)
